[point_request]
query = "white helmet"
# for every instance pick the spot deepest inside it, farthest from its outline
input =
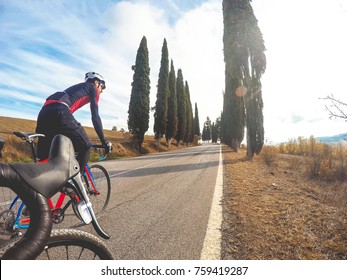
(94, 75)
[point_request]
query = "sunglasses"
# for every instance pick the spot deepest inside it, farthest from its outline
(102, 85)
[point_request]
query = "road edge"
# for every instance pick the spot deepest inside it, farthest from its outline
(213, 239)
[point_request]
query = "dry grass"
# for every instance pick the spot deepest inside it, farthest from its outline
(16, 149)
(275, 212)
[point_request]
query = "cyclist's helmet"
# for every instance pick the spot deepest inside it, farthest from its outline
(95, 76)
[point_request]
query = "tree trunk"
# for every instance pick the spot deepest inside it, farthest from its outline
(158, 144)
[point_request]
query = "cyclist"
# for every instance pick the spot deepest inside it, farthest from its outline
(56, 117)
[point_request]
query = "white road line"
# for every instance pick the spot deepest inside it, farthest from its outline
(212, 244)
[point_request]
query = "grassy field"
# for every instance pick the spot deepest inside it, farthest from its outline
(16, 149)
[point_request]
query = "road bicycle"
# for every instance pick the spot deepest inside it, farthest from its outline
(97, 183)
(35, 184)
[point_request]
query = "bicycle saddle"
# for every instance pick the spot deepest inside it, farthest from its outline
(48, 178)
(27, 135)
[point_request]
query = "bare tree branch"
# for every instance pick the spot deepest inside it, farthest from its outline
(337, 108)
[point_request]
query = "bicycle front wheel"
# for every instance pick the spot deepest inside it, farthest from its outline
(98, 185)
(72, 244)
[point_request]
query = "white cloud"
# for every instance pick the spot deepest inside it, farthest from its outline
(306, 43)
(197, 48)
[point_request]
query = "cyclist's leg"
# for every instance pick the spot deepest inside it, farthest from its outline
(48, 125)
(79, 138)
(57, 119)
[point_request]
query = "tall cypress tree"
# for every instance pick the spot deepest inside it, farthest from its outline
(214, 133)
(181, 108)
(245, 63)
(171, 127)
(216, 129)
(189, 134)
(138, 113)
(207, 130)
(233, 117)
(161, 106)
(196, 121)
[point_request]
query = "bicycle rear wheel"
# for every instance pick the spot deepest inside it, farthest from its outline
(98, 187)
(12, 220)
(72, 244)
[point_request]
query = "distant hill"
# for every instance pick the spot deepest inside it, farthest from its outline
(340, 138)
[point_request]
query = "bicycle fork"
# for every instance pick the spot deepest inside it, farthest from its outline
(85, 208)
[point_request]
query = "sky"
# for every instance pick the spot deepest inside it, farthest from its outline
(47, 46)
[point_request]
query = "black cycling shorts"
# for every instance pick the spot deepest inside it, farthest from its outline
(56, 119)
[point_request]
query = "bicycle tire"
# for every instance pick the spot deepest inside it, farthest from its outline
(8, 216)
(73, 244)
(103, 181)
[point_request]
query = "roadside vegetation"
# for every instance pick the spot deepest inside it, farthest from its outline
(327, 162)
(17, 150)
(288, 203)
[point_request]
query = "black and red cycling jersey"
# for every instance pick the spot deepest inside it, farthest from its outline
(76, 97)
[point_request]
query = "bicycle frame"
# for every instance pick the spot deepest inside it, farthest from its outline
(34, 192)
(91, 178)
(24, 223)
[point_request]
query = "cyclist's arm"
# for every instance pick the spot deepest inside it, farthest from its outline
(94, 108)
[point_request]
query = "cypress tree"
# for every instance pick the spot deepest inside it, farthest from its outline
(214, 132)
(138, 113)
(189, 134)
(161, 107)
(181, 108)
(245, 63)
(207, 130)
(233, 114)
(196, 121)
(171, 127)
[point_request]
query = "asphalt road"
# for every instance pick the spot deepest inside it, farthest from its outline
(160, 204)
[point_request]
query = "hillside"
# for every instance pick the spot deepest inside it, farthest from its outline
(340, 138)
(17, 150)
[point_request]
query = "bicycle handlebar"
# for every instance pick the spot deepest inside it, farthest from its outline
(36, 237)
(107, 148)
(35, 191)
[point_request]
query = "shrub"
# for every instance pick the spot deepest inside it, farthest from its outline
(270, 155)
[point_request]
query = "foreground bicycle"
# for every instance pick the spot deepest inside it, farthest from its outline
(96, 180)
(35, 184)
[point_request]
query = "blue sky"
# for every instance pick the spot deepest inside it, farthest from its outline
(46, 46)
